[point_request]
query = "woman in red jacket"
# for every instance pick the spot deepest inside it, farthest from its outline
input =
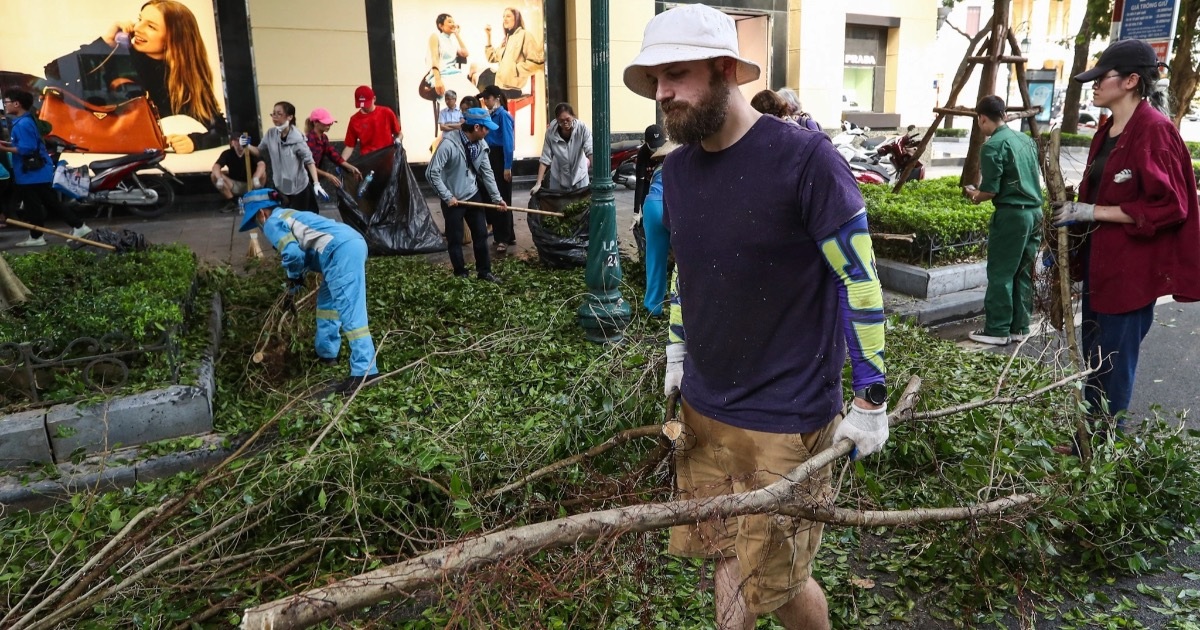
(1137, 204)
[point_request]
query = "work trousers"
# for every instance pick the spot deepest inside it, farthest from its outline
(501, 222)
(40, 201)
(474, 216)
(342, 306)
(1013, 239)
(1113, 342)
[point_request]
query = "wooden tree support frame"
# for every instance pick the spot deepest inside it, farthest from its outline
(987, 52)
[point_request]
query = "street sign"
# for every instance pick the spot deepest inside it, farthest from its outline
(1152, 21)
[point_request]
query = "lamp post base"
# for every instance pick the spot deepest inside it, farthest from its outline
(603, 317)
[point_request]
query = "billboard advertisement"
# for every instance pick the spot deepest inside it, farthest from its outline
(463, 46)
(120, 73)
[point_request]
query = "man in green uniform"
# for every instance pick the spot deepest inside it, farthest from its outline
(1011, 180)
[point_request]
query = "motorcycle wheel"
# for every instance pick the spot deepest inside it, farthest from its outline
(166, 197)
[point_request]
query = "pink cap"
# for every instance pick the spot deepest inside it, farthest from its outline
(322, 116)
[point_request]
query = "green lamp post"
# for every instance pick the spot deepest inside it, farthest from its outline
(604, 313)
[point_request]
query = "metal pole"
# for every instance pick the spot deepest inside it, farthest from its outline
(604, 313)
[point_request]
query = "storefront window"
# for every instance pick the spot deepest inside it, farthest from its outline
(863, 76)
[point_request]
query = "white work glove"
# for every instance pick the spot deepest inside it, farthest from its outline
(867, 428)
(674, 376)
(321, 194)
(244, 140)
(637, 220)
(1072, 212)
(536, 187)
(258, 183)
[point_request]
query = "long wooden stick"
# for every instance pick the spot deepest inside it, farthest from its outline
(510, 208)
(30, 226)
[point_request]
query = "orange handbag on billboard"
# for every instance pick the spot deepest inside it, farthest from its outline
(129, 127)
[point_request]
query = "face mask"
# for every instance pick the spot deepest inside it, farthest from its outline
(282, 128)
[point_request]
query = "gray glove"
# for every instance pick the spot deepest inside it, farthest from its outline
(536, 187)
(1072, 212)
(867, 428)
(674, 376)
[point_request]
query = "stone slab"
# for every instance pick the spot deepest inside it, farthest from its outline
(23, 439)
(151, 416)
(930, 283)
(945, 308)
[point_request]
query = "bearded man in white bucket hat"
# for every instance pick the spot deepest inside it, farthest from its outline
(770, 233)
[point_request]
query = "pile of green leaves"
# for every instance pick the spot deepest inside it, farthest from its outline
(567, 225)
(948, 227)
(76, 293)
(491, 382)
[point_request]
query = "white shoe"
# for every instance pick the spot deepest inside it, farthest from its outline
(81, 231)
(979, 337)
(1018, 337)
(32, 242)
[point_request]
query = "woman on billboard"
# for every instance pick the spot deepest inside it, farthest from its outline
(171, 65)
(519, 56)
(447, 54)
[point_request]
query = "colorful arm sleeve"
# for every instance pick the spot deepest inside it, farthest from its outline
(852, 259)
(676, 334)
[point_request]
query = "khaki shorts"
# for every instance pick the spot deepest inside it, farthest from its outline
(775, 552)
(237, 188)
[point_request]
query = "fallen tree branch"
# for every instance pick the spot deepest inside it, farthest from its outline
(976, 404)
(305, 609)
(616, 440)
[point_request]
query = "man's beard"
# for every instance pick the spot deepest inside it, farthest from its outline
(689, 124)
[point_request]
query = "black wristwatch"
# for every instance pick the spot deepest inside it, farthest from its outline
(875, 394)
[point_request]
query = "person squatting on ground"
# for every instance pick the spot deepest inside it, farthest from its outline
(229, 173)
(316, 126)
(308, 242)
(1011, 179)
(1137, 210)
(33, 171)
(501, 145)
(293, 171)
(658, 239)
(566, 152)
(372, 127)
(774, 258)
(456, 171)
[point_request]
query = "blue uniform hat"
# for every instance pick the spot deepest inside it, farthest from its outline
(479, 116)
(254, 201)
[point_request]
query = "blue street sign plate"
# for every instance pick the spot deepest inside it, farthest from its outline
(1148, 19)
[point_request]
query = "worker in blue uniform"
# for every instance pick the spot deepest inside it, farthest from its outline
(310, 242)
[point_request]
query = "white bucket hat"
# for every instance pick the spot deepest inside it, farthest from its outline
(690, 32)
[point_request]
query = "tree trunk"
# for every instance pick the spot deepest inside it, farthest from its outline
(12, 290)
(1183, 67)
(1083, 45)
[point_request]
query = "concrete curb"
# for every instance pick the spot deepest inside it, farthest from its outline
(930, 283)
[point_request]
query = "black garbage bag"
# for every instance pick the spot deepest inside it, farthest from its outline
(556, 250)
(391, 212)
(124, 240)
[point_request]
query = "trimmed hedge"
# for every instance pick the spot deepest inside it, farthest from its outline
(942, 132)
(948, 227)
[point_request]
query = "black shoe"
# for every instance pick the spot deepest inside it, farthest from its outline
(230, 205)
(327, 360)
(353, 383)
(461, 274)
(489, 277)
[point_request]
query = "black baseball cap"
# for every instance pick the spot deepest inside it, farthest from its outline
(1127, 55)
(491, 91)
(654, 137)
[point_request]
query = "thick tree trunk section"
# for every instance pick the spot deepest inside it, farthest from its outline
(1083, 45)
(1184, 74)
(12, 290)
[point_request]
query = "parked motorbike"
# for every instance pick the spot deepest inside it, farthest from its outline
(116, 181)
(878, 160)
(899, 152)
(623, 162)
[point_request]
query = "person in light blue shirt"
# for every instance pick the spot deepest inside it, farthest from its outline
(306, 242)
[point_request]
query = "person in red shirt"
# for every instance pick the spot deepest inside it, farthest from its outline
(372, 127)
(1138, 209)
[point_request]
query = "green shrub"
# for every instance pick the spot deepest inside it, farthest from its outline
(1193, 149)
(942, 132)
(75, 293)
(1070, 139)
(948, 227)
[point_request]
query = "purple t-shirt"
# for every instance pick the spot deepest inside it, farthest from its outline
(760, 304)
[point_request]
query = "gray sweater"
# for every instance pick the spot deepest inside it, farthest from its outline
(450, 174)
